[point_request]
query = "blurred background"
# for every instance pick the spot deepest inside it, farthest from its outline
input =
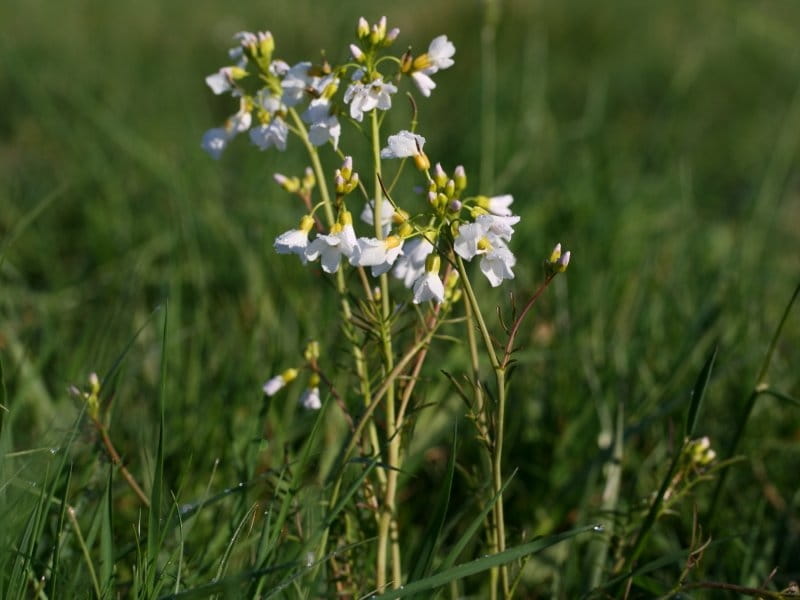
(657, 141)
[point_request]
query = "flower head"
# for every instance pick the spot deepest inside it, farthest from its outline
(295, 241)
(364, 97)
(278, 382)
(341, 241)
(310, 399)
(378, 254)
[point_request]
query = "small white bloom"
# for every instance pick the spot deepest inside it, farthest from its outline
(215, 140)
(387, 212)
(498, 205)
(496, 265)
(277, 383)
(294, 83)
(423, 82)
(440, 53)
(366, 97)
(272, 134)
(411, 265)
(498, 227)
(378, 254)
(428, 287)
(310, 400)
(403, 145)
(471, 241)
(324, 125)
(295, 241)
(221, 81)
(330, 248)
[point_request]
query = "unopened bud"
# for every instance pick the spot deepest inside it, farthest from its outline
(290, 184)
(309, 181)
(439, 175)
(391, 36)
(347, 167)
(422, 162)
(432, 198)
(460, 177)
(358, 54)
(563, 262)
(450, 188)
(406, 62)
(432, 263)
(340, 184)
(312, 351)
(555, 254)
(362, 30)
(455, 205)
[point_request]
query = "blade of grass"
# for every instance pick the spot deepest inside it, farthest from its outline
(699, 392)
(760, 385)
(445, 576)
(107, 536)
(431, 538)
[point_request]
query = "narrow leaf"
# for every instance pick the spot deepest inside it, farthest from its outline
(699, 392)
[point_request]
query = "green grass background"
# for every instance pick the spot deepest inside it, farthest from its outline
(657, 141)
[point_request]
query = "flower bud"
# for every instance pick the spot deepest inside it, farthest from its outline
(362, 30)
(432, 198)
(422, 161)
(460, 177)
(358, 54)
(406, 61)
(266, 45)
(450, 188)
(455, 205)
(405, 230)
(391, 36)
(306, 223)
(312, 351)
(432, 263)
(439, 175)
(563, 262)
(313, 380)
(555, 254)
(290, 184)
(309, 181)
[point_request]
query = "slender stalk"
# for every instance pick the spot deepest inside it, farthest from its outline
(497, 447)
(388, 515)
(87, 557)
(116, 460)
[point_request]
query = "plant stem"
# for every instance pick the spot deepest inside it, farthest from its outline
(497, 446)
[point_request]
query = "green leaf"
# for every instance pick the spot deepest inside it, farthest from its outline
(482, 564)
(699, 392)
(430, 539)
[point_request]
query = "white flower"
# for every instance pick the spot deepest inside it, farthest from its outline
(221, 81)
(279, 382)
(272, 134)
(403, 145)
(411, 264)
(387, 213)
(496, 264)
(310, 399)
(378, 254)
(324, 125)
(295, 241)
(498, 205)
(423, 82)
(330, 248)
(215, 140)
(440, 52)
(366, 97)
(294, 83)
(471, 241)
(497, 226)
(428, 287)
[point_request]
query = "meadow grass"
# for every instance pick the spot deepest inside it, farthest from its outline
(658, 142)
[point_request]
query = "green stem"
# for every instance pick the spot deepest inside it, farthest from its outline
(497, 447)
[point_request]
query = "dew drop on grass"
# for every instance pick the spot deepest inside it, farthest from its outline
(54, 451)
(598, 528)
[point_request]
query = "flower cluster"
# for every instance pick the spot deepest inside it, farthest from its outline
(276, 99)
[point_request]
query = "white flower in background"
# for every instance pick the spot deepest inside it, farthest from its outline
(310, 399)
(498, 227)
(428, 287)
(341, 241)
(387, 214)
(295, 82)
(273, 133)
(222, 81)
(216, 140)
(295, 241)
(411, 265)
(471, 241)
(440, 55)
(403, 145)
(378, 254)
(365, 97)
(279, 68)
(324, 126)
(277, 383)
(424, 83)
(496, 265)
(497, 205)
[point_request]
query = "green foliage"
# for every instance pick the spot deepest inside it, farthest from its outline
(658, 142)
